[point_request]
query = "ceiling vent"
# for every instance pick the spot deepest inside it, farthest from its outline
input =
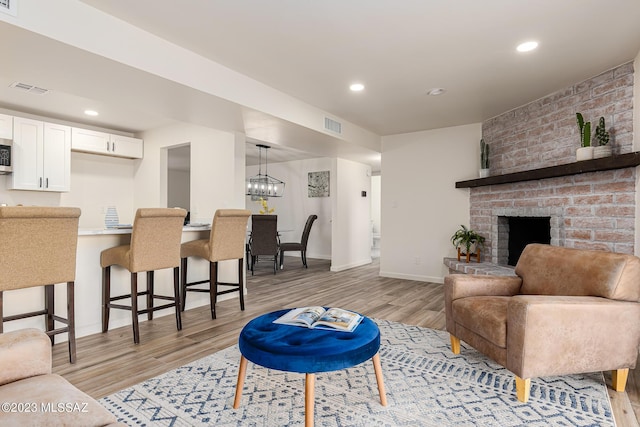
(332, 125)
(29, 88)
(9, 6)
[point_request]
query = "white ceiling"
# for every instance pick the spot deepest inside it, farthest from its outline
(313, 50)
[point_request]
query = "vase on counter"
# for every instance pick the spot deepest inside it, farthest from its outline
(111, 217)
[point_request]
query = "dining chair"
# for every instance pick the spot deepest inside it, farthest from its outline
(298, 246)
(38, 248)
(226, 242)
(264, 241)
(155, 245)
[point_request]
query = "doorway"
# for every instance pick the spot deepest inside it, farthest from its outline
(179, 177)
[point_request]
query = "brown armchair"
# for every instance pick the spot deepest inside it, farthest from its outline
(566, 311)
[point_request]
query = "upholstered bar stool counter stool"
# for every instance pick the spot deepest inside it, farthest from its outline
(38, 248)
(226, 242)
(155, 245)
(308, 351)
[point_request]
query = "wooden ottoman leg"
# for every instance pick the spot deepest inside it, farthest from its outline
(309, 385)
(378, 368)
(241, 373)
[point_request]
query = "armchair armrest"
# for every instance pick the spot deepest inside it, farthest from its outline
(24, 353)
(470, 285)
(553, 335)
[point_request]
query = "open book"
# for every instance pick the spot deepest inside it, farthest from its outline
(336, 319)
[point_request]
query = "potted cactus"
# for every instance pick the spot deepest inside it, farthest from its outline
(603, 149)
(484, 159)
(585, 152)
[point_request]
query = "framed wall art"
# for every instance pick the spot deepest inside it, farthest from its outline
(319, 184)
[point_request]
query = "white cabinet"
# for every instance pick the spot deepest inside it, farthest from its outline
(126, 146)
(6, 126)
(41, 156)
(95, 142)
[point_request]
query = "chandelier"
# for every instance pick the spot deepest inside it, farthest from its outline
(262, 185)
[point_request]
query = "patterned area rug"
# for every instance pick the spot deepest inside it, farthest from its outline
(426, 386)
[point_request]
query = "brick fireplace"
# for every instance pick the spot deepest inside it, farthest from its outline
(594, 210)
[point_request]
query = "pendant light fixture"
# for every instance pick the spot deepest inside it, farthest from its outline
(262, 185)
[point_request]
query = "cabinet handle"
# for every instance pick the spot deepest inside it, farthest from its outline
(113, 147)
(107, 145)
(40, 185)
(47, 183)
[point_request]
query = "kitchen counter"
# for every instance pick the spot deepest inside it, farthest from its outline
(127, 230)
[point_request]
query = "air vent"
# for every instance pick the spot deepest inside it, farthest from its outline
(332, 125)
(29, 88)
(9, 6)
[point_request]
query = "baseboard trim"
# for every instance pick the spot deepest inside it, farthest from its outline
(430, 279)
(337, 268)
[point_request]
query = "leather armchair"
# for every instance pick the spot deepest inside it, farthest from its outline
(566, 311)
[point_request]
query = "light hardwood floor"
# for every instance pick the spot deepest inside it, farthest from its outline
(110, 362)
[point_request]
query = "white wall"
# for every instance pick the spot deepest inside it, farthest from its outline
(295, 206)
(421, 208)
(351, 219)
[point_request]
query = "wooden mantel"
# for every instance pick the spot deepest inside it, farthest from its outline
(595, 165)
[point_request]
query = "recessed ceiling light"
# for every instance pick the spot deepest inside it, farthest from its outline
(357, 87)
(527, 46)
(436, 91)
(91, 112)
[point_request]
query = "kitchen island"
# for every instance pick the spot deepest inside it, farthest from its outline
(88, 284)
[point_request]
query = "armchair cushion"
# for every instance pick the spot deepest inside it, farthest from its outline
(23, 354)
(44, 398)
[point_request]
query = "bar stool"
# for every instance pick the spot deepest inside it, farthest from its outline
(38, 248)
(226, 242)
(155, 245)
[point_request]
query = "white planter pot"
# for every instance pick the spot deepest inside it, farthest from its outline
(483, 173)
(601, 151)
(584, 153)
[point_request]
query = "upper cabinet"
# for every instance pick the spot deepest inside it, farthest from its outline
(6, 126)
(95, 142)
(41, 156)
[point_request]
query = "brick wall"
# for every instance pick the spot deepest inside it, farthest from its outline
(593, 210)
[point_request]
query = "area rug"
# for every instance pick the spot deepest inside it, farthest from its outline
(426, 385)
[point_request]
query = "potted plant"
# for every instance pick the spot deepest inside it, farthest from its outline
(467, 239)
(602, 136)
(484, 159)
(585, 152)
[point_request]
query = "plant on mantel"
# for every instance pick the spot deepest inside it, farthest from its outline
(585, 152)
(466, 238)
(602, 136)
(484, 159)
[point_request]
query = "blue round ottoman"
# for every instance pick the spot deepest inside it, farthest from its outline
(309, 351)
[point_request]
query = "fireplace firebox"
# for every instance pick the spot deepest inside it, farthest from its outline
(524, 230)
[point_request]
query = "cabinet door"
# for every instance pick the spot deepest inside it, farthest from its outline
(90, 141)
(6, 126)
(57, 158)
(124, 146)
(27, 154)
